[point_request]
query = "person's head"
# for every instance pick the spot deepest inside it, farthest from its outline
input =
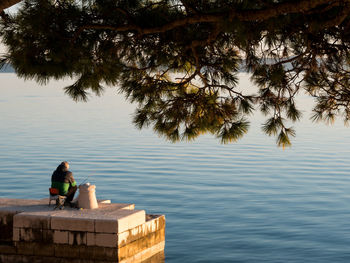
(65, 165)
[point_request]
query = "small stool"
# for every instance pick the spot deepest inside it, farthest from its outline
(54, 195)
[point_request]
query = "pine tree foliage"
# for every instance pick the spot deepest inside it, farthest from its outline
(179, 59)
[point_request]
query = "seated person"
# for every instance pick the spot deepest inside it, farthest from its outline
(62, 179)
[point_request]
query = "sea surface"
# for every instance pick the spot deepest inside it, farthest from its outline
(248, 201)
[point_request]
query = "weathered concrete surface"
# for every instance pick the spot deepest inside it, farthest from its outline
(10, 207)
(31, 230)
(21, 202)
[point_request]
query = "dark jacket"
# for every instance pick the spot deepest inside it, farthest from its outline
(62, 179)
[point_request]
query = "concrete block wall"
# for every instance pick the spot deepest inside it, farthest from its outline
(121, 235)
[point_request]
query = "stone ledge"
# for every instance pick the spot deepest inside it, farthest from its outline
(143, 248)
(100, 253)
(31, 231)
(99, 221)
(39, 220)
(59, 236)
(119, 221)
(141, 244)
(102, 240)
(30, 234)
(33, 234)
(72, 223)
(154, 254)
(154, 223)
(13, 202)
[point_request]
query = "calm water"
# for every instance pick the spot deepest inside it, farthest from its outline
(244, 202)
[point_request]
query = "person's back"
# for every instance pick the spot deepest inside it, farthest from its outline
(63, 180)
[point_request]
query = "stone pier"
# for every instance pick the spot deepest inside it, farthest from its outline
(31, 231)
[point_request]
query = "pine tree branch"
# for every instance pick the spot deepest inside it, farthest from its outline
(290, 59)
(305, 6)
(282, 8)
(339, 18)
